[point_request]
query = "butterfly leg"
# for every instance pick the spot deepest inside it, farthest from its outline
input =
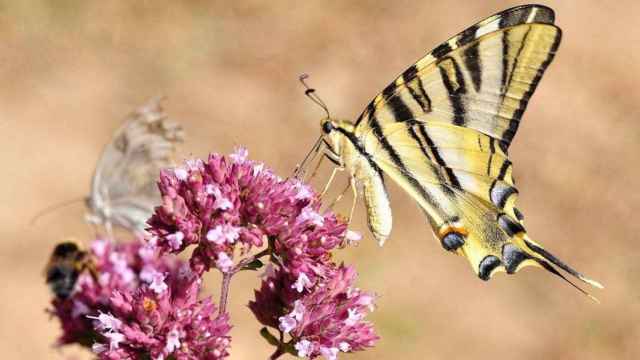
(333, 175)
(354, 189)
(340, 196)
(109, 228)
(301, 169)
(315, 170)
(351, 185)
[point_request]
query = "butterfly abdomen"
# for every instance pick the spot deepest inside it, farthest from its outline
(369, 176)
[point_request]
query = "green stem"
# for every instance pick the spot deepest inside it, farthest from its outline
(276, 354)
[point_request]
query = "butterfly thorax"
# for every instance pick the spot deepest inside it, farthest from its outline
(347, 148)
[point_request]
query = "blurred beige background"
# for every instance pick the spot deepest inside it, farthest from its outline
(71, 71)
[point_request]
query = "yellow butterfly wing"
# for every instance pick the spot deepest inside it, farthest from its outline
(442, 131)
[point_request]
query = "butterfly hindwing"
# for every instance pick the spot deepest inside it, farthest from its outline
(474, 214)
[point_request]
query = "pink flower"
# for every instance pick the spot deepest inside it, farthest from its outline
(175, 240)
(173, 341)
(163, 324)
(344, 346)
(121, 267)
(287, 323)
(222, 234)
(157, 283)
(239, 155)
(329, 353)
(224, 262)
(301, 283)
(353, 237)
(304, 348)
(353, 317)
(310, 215)
(181, 173)
(115, 338)
(325, 319)
(304, 192)
(291, 320)
(106, 322)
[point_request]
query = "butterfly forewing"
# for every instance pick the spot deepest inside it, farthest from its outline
(123, 190)
(488, 93)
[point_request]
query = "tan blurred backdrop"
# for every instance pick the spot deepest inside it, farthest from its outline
(71, 71)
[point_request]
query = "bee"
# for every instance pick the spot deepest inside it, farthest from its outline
(66, 264)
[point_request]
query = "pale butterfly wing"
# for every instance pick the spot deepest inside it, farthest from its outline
(123, 188)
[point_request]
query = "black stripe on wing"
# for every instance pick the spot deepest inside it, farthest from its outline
(456, 88)
(416, 89)
(396, 159)
(473, 64)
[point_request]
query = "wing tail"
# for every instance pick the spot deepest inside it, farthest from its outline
(504, 246)
(541, 253)
(555, 272)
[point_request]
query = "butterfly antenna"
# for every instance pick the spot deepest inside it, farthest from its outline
(311, 94)
(48, 209)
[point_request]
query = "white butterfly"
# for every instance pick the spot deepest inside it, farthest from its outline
(123, 188)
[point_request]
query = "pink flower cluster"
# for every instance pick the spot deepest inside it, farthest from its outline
(162, 322)
(232, 203)
(203, 204)
(140, 304)
(323, 320)
(226, 204)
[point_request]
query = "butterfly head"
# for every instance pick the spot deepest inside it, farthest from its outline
(333, 134)
(329, 135)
